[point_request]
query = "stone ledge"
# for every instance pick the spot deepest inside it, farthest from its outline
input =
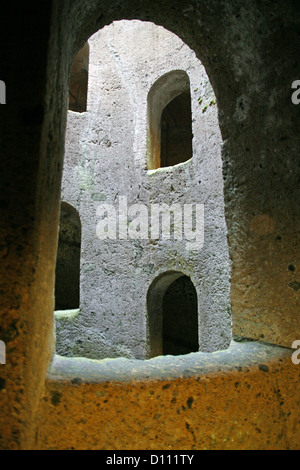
(239, 357)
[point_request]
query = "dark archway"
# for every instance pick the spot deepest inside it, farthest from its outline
(176, 131)
(180, 318)
(169, 121)
(173, 322)
(67, 274)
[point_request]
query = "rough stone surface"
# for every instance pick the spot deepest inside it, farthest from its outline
(105, 158)
(244, 398)
(250, 50)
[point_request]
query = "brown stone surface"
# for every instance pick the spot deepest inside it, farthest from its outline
(251, 53)
(244, 398)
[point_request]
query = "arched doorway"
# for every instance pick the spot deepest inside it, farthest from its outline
(172, 315)
(169, 120)
(176, 131)
(67, 274)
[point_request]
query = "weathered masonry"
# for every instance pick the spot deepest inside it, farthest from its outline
(243, 397)
(135, 141)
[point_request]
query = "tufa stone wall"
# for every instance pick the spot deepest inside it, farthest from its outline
(106, 158)
(250, 51)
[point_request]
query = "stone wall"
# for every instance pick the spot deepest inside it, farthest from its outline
(250, 51)
(106, 158)
(243, 398)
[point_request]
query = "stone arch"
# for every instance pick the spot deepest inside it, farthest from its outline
(176, 131)
(34, 156)
(186, 73)
(67, 274)
(172, 309)
(169, 93)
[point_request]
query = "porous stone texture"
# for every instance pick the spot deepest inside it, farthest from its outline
(244, 398)
(105, 159)
(250, 50)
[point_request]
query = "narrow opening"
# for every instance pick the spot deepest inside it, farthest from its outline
(176, 131)
(180, 318)
(78, 82)
(67, 280)
(172, 315)
(169, 121)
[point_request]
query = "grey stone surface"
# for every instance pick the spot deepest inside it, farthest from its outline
(250, 49)
(106, 158)
(238, 356)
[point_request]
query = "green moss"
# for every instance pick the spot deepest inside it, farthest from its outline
(100, 197)
(86, 179)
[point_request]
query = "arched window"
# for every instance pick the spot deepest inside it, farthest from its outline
(169, 121)
(78, 81)
(67, 281)
(172, 315)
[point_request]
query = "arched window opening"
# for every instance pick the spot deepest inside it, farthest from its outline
(78, 82)
(169, 121)
(176, 131)
(172, 315)
(180, 318)
(67, 280)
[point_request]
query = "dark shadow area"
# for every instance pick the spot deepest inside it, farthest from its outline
(169, 120)
(67, 275)
(176, 131)
(180, 318)
(78, 81)
(172, 315)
